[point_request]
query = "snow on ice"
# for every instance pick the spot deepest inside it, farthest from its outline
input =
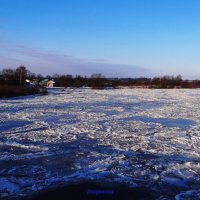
(139, 137)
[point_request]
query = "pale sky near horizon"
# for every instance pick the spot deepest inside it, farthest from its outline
(128, 38)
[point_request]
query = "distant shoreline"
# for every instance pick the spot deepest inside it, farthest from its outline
(17, 91)
(10, 91)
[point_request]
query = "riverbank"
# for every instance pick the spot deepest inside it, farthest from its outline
(7, 91)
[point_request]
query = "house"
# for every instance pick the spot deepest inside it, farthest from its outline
(50, 83)
(44, 82)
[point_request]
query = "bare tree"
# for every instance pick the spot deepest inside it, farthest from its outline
(21, 72)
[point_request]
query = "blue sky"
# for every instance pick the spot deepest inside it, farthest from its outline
(127, 38)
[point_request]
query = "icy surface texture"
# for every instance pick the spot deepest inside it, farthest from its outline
(143, 138)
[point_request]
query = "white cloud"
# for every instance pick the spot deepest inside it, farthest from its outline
(48, 62)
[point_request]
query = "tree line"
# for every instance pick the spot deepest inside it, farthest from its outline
(19, 76)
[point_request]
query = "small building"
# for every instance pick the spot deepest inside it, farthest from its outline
(50, 83)
(44, 82)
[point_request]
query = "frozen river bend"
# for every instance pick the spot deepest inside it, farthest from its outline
(139, 137)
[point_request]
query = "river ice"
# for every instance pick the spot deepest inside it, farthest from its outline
(140, 137)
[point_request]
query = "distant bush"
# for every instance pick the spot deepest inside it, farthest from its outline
(13, 91)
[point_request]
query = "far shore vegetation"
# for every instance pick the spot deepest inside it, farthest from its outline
(15, 90)
(20, 81)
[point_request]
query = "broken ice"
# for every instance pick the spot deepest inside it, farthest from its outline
(140, 137)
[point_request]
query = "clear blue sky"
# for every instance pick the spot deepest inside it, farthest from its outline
(113, 37)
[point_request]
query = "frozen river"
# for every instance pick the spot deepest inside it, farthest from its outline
(139, 137)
